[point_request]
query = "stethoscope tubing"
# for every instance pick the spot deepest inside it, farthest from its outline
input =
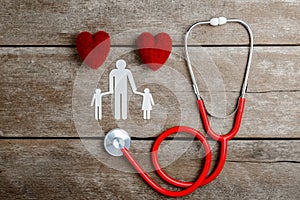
(235, 128)
(203, 177)
(189, 186)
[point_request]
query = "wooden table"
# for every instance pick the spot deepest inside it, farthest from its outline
(41, 154)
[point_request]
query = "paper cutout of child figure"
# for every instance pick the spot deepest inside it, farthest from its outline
(147, 104)
(97, 100)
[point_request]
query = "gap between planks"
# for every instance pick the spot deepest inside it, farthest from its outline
(146, 139)
(131, 46)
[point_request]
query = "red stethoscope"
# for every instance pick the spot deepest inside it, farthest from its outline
(117, 141)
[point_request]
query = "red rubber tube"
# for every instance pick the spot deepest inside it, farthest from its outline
(189, 186)
(235, 128)
(202, 179)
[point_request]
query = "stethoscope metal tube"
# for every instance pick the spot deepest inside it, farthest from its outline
(117, 141)
(218, 22)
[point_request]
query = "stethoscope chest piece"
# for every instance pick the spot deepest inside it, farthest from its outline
(115, 140)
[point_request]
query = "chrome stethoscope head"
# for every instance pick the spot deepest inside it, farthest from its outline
(218, 22)
(115, 140)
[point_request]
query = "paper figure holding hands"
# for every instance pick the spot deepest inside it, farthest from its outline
(147, 104)
(118, 79)
(97, 100)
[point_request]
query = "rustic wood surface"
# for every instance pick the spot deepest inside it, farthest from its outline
(44, 156)
(57, 23)
(37, 86)
(46, 169)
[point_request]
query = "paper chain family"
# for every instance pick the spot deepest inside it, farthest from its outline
(118, 79)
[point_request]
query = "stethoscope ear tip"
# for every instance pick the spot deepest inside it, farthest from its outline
(115, 140)
(218, 21)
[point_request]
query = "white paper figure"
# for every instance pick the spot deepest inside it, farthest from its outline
(97, 100)
(118, 85)
(147, 104)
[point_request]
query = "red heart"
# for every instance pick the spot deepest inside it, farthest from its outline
(93, 50)
(154, 51)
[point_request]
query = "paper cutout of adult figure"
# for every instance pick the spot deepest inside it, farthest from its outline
(97, 100)
(118, 79)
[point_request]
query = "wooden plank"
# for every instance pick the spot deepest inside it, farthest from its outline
(46, 23)
(33, 169)
(265, 117)
(37, 84)
(273, 68)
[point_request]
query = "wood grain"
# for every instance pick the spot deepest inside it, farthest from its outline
(37, 85)
(58, 23)
(273, 68)
(44, 94)
(52, 169)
